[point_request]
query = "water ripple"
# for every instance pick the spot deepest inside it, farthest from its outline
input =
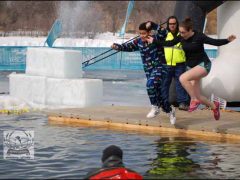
(70, 152)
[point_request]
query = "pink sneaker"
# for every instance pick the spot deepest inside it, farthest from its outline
(216, 111)
(193, 105)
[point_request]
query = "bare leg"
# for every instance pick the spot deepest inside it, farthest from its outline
(190, 80)
(186, 79)
(201, 98)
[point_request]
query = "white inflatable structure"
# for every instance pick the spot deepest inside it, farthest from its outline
(224, 77)
(53, 79)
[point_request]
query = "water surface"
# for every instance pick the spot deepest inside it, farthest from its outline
(71, 151)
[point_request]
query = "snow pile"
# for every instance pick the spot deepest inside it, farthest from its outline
(14, 105)
(101, 40)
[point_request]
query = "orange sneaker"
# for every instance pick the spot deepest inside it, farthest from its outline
(193, 105)
(216, 111)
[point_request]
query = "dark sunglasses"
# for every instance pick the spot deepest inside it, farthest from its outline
(172, 23)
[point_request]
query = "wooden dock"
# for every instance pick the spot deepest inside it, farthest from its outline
(199, 123)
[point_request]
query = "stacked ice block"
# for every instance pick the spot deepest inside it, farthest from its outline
(54, 78)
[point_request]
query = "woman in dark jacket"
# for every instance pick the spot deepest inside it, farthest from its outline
(197, 61)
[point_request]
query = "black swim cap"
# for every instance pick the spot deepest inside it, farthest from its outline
(112, 151)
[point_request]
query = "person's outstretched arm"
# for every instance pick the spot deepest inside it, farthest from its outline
(129, 47)
(161, 32)
(217, 42)
(162, 42)
(161, 35)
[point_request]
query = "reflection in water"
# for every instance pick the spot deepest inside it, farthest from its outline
(179, 157)
(172, 159)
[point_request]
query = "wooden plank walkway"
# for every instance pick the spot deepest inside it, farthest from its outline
(199, 123)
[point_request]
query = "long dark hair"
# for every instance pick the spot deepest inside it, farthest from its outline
(172, 17)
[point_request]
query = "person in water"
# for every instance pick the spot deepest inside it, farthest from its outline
(198, 63)
(112, 166)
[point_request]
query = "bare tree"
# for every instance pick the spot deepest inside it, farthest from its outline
(116, 10)
(85, 17)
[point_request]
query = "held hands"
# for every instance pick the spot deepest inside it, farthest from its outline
(231, 38)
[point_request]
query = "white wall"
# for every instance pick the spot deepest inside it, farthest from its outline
(224, 77)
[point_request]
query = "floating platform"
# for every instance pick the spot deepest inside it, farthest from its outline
(200, 123)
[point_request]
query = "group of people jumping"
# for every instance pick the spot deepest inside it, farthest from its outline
(176, 51)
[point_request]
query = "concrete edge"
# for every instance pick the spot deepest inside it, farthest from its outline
(205, 135)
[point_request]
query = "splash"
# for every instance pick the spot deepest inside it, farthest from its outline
(73, 15)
